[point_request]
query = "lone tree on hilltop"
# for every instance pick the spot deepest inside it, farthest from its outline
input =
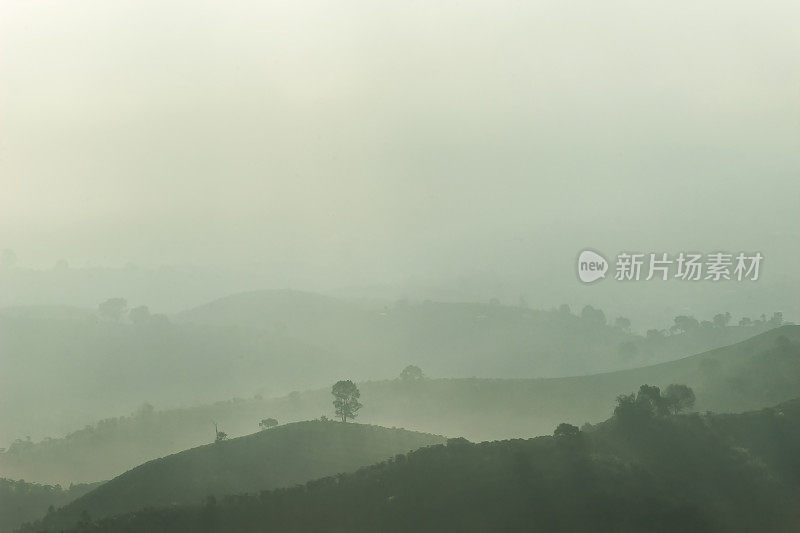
(345, 399)
(411, 373)
(268, 423)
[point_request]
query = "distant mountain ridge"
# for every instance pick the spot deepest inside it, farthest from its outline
(479, 339)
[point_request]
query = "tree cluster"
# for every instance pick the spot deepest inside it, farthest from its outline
(650, 402)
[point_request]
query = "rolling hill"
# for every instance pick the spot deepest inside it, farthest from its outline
(273, 342)
(752, 374)
(635, 472)
(280, 457)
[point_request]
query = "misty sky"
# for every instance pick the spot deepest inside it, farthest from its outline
(369, 142)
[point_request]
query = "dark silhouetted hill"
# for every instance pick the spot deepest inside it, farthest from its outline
(22, 502)
(676, 473)
(283, 456)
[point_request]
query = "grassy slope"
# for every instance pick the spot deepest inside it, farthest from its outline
(748, 375)
(685, 473)
(280, 457)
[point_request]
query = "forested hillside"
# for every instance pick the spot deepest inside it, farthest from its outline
(283, 456)
(639, 471)
(25, 502)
